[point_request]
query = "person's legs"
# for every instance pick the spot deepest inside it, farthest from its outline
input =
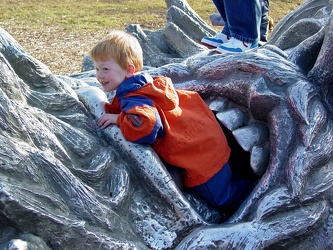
(224, 191)
(222, 37)
(219, 4)
(218, 19)
(214, 190)
(264, 25)
(243, 18)
(241, 29)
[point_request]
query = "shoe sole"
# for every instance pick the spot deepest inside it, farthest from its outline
(210, 44)
(221, 51)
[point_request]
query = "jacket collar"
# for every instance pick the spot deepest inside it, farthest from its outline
(133, 83)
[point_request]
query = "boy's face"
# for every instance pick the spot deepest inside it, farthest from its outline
(109, 74)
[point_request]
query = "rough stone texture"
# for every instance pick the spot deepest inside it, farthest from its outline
(66, 184)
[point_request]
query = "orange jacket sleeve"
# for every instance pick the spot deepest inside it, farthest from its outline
(139, 120)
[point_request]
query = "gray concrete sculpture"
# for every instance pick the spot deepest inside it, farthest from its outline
(66, 184)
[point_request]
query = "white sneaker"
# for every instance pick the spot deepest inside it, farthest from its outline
(215, 41)
(235, 46)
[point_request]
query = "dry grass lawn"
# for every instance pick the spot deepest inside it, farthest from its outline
(60, 33)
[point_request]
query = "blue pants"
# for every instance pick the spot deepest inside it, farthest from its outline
(242, 18)
(225, 190)
(264, 24)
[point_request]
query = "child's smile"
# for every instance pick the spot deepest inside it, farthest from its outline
(109, 74)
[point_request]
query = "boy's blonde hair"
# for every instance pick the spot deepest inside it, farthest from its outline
(122, 47)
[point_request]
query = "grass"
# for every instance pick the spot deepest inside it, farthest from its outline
(82, 14)
(90, 15)
(59, 33)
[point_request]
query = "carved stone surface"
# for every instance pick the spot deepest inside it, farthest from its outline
(66, 184)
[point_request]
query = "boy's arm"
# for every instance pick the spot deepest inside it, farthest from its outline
(139, 120)
(112, 111)
(113, 107)
(107, 119)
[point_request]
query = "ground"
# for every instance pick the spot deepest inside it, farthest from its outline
(61, 50)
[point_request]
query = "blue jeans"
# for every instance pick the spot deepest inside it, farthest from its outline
(242, 18)
(225, 190)
(264, 25)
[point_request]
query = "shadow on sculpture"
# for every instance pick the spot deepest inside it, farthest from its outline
(66, 184)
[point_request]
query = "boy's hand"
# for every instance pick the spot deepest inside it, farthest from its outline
(107, 119)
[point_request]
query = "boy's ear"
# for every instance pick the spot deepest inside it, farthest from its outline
(130, 70)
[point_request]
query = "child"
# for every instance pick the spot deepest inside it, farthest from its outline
(176, 123)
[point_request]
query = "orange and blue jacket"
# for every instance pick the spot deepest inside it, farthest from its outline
(178, 124)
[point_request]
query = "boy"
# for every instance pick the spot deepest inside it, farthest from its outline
(176, 123)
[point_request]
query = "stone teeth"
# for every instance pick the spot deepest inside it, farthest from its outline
(250, 136)
(254, 138)
(233, 118)
(259, 159)
(218, 104)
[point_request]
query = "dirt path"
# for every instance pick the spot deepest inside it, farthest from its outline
(62, 51)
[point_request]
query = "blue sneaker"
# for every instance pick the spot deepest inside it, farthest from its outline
(235, 46)
(215, 41)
